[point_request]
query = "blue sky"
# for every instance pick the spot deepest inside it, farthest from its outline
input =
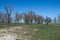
(50, 8)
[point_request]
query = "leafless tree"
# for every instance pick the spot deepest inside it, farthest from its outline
(25, 18)
(30, 16)
(18, 16)
(8, 10)
(58, 18)
(1, 18)
(40, 19)
(35, 18)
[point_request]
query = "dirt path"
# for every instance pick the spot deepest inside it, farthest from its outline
(15, 33)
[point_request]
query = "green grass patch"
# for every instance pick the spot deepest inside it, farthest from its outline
(45, 32)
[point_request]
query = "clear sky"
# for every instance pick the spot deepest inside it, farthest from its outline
(50, 8)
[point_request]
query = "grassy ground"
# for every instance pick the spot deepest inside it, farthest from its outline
(44, 32)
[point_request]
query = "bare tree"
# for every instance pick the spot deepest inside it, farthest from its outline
(58, 19)
(1, 18)
(30, 16)
(25, 18)
(8, 10)
(18, 17)
(35, 18)
(40, 19)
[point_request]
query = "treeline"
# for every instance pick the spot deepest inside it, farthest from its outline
(28, 17)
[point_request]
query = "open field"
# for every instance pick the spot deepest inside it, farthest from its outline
(40, 32)
(46, 32)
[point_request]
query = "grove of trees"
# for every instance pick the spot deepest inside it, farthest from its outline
(29, 17)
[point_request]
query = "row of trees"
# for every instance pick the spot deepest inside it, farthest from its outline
(31, 17)
(28, 17)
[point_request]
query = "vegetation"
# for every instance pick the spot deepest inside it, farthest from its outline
(34, 22)
(45, 32)
(28, 17)
(42, 32)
